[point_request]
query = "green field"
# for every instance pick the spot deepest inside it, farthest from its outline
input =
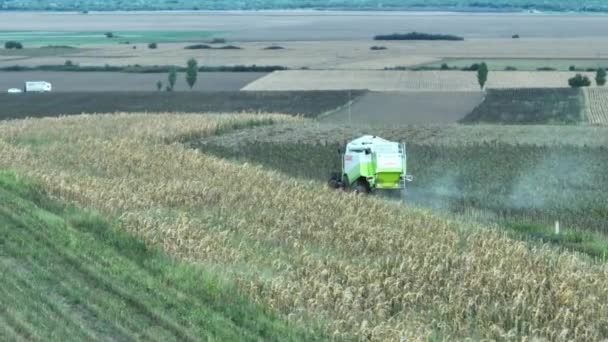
(37, 38)
(67, 275)
(524, 64)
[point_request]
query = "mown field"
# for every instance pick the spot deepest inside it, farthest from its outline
(529, 106)
(306, 103)
(68, 275)
(363, 267)
(524, 179)
(394, 80)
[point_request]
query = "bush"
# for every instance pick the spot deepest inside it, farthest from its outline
(546, 69)
(11, 44)
(205, 47)
(109, 35)
(417, 36)
(510, 68)
(152, 46)
(274, 47)
(572, 68)
(229, 47)
(197, 47)
(515, 36)
(375, 48)
(68, 63)
(579, 81)
(444, 66)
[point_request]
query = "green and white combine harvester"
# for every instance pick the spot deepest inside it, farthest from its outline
(371, 163)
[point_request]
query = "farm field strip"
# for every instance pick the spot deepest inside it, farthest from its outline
(550, 106)
(376, 270)
(306, 103)
(524, 64)
(397, 108)
(393, 80)
(84, 81)
(514, 174)
(99, 37)
(596, 106)
(327, 25)
(326, 133)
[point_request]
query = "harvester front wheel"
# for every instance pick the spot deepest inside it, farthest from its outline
(361, 188)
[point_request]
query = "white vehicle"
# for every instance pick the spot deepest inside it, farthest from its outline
(15, 91)
(37, 87)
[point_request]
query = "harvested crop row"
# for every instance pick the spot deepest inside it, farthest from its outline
(366, 268)
(596, 102)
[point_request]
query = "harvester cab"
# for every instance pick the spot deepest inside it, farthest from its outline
(370, 163)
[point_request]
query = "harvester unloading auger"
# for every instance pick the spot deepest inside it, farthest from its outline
(370, 163)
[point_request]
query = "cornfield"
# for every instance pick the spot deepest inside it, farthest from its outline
(596, 101)
(366, 268)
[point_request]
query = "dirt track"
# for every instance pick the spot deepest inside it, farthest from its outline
(116, 81)
(382, 109)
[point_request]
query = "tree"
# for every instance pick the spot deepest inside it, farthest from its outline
(600, 77)
(172, 78)
(482, 75)
(579, 81)
(191, 72)
(159, 85)
(152, 46)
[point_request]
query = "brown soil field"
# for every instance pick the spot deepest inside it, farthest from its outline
(307, 104)
(117, 81)
(391, 80)
(383, 109)
(317, 25)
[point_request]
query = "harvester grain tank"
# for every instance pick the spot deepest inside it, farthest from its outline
(370, 163)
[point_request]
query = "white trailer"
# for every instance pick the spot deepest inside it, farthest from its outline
(37, 87)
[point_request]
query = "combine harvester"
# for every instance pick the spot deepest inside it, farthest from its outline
(370, 163)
